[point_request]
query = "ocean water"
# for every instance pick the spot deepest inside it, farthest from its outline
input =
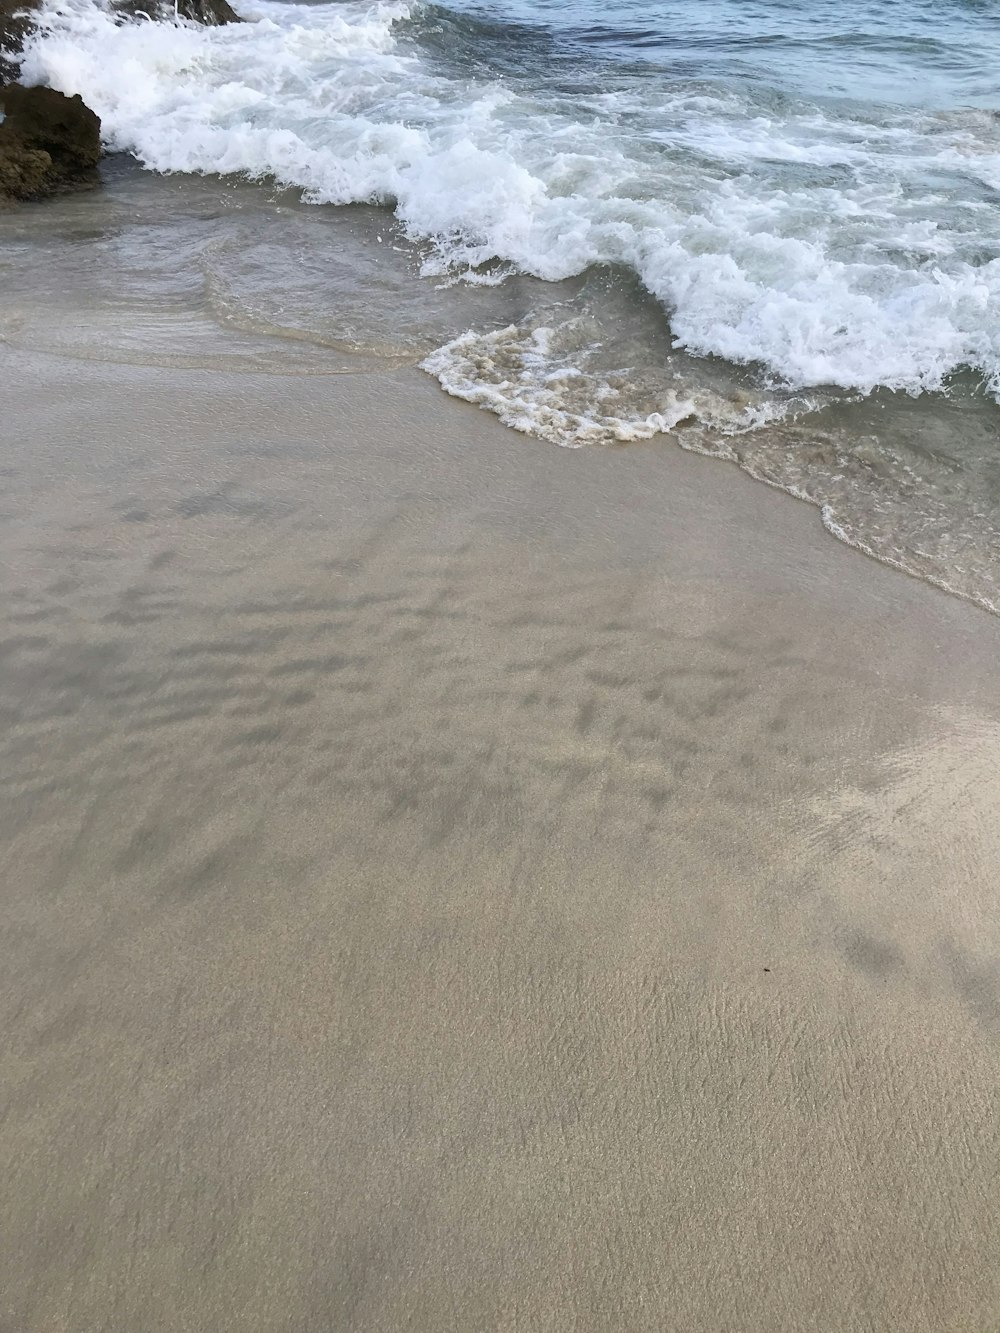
(763, 230)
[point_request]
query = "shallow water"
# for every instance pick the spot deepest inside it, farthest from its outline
(771, 231)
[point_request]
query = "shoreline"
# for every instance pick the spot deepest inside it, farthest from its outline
(459, 882)
(155, 264)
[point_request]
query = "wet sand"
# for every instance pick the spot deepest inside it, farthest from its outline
(455, 883)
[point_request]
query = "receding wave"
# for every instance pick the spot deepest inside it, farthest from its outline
(809, 287)
(824, 250)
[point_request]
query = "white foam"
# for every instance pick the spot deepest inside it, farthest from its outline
(551, 381)
(513, 373)
(832, 253)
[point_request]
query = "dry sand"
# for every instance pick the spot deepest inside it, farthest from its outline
(452, 883)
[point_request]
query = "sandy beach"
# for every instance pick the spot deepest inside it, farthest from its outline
(455, 883)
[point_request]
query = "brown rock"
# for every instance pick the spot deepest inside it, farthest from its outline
(48, 142)
(15, 21)
(12, 33)
(24, 172)
(213, 13)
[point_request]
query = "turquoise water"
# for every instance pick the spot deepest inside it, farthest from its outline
(929, 54)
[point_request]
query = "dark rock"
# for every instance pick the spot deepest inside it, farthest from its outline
(14, 25)
(213, 13)
(48, 142)
(25, 173)
(15, 21)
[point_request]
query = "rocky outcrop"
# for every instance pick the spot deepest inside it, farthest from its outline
(15, 21)
(48, 142)
(213, 13)
(14, 26)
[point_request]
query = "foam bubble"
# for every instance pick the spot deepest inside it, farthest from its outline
(555, 382)
(825, 250)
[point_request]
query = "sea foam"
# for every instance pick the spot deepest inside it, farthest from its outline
(823, 250)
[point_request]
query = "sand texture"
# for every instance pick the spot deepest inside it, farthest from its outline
(452, 883)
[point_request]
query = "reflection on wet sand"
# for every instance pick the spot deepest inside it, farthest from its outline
(456, 883)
